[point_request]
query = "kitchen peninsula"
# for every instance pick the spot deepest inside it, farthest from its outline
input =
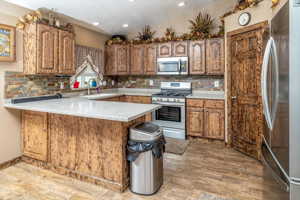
(80, 138)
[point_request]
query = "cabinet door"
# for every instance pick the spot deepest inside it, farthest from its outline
(110, 60)
(165, 50)
(195, 121)
(150, 59)
(137, 57)
(215, 56)
(197, 57)
(47, 53)
(214, 123)
(35, 135)
(66, 53)
(122, 59)
(63, 130)
(180, 49)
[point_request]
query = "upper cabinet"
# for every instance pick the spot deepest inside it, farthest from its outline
(48, 50)
(66, 52)
(150, 59)
(197, 57)
(110, 61)
(47, 55)
(122, 59)
(180, 49)
(117, 60)
(173, 49)
(165, 50)
(206, 57)
(215, 56)
(137, 59)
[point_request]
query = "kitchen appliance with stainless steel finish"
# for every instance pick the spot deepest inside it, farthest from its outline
(171, 117)
(172, 66)
(281, 103)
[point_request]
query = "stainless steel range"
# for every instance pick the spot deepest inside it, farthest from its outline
(171, 117)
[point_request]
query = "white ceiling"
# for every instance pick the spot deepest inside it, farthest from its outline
(112, 14)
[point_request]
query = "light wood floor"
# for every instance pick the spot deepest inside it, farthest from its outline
(207, 171)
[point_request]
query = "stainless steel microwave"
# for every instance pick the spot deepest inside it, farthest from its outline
(172, 66)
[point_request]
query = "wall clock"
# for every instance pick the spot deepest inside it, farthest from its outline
(244, 19)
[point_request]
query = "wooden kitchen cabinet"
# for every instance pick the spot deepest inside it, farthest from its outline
(110, 61)
(35, 135)
(165, 50)
(66, 53)
(150, 59)
(173, 49)
(48, 50)
(215, 56)
(48, 45)
(205, 118)
(214, 123)
(197, 57)
(122, 59)
(195, 121)
(117, 60)
(180, 49)
(137, 59)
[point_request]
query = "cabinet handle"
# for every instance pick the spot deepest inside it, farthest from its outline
(233, 97)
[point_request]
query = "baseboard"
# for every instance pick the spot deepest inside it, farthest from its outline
(10, 163)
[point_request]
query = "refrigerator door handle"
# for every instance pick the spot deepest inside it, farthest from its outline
(285, 186)
(270, 50)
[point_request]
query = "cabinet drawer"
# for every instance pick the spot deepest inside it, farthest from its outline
(214, 104)
(195, 103)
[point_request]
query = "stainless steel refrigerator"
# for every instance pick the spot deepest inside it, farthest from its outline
(281, 102)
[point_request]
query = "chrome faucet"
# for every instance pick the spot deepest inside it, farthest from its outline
(89, 86)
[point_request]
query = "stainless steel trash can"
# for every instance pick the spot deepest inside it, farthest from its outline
(146, 145)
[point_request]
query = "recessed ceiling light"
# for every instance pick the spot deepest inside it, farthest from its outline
(95, 23)
(181, 4)
(131, 0)
(125, 25)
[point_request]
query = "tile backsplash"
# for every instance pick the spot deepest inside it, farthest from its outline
(212, 83)
(19, 85)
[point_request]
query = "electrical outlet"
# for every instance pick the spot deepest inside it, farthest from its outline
(217, 84)
(151, 82)
(104, 83)
(112, 82)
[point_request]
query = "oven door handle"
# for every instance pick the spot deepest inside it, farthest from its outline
(170, 104)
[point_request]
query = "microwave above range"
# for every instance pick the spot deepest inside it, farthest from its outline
(172, 66)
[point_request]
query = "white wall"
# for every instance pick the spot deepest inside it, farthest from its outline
(180, 23)
(10, 141)
(259, 13)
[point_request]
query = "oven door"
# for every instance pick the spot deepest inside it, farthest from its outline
(171, 117)
(168, 66)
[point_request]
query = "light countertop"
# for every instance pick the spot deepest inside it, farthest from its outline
(83, 107)
(207, 95)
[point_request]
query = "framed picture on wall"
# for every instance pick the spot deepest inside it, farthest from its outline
(7, 43)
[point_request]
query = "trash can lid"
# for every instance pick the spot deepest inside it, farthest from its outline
(146, 131)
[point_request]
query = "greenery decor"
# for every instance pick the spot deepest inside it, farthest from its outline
(242, 5)
(146, 33)
(202, 25)
(170, 34)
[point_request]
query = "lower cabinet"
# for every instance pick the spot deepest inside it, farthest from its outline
(205, 118)
(35, 135)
